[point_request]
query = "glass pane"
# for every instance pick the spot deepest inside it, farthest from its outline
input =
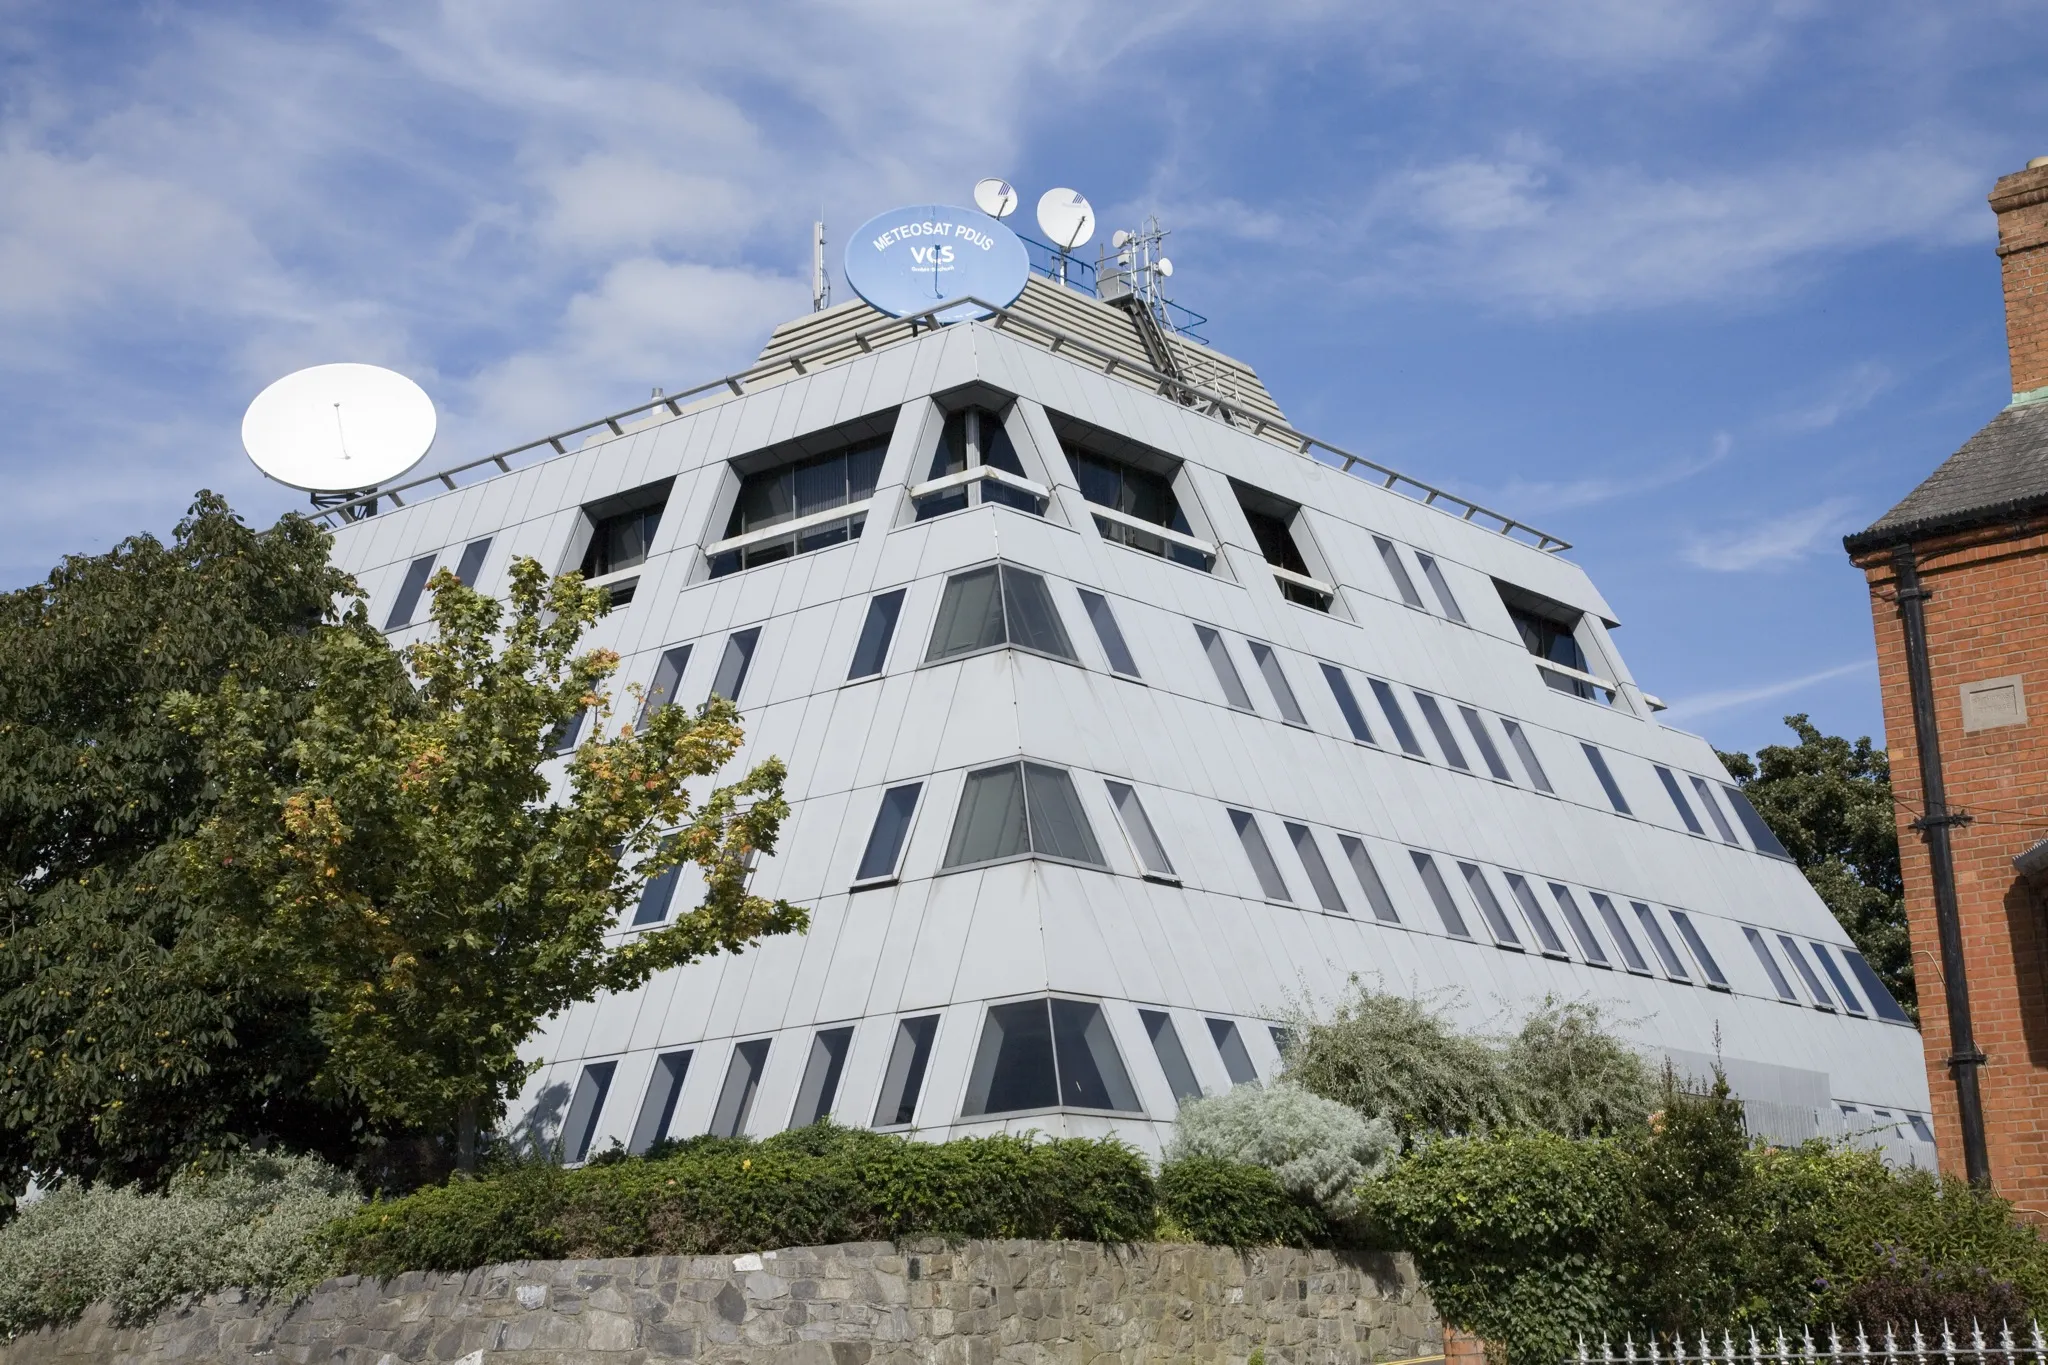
(1101, 481)
(1806, 973)
(820, 485)
(1319, 878)
(658, 1107)
(668, 676)
(659, 891)
(1589, 942)
(939, 504)
(1059, 828)
(864, 468)
(1759, 832)
(1390, 705)
(1713, 809)
(1398, 571)
(1237, 1063)
(1013, 1068)
(1173, 1058)
(1441, 728)
(742, 1080)
(1034, 623)
(1369, 879)
(1537, 777)
(970, 615)
(1442, 589)
(885, 840)
(1276, 682)
(416, 575)
(1671, 788)
(1487, 752)
(472, 561)
(1607, 783)
(951, 456)
(733, 666)
(1108, 634)
(991, 821)
(1874, 989)
(1138, 826)
(1276, 542)
(1226, 671)
(1092, 1075)
(1440, 895)
(1532, 910)
(1827, 964)
(875, 633)
(1254, 842)
(568, 733)
(765, 498)
(1763, 955)
(997, 449)
(821, 1077)
(1631, 956)
(1347, 702)
(904, 1079)
(1660, 942)
(584, 1109)
(1489, 906)
(1698, 945)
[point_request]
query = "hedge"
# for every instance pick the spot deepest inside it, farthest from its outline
(1229, 1204)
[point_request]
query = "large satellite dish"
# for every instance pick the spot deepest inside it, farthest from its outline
(995, 197)
(339, 428)
(1066, 218)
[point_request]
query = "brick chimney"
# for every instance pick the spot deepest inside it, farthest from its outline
(2021, 202)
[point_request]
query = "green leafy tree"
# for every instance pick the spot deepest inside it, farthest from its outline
(133, 1040)
(400, 860)
(1830, 803)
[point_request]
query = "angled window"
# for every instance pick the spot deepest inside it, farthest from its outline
(1319, 878)
(1532, 911)
(1549, 631)
(1108, 634)
(1575, 919)
(1607, 782)
(1713, 809)
(1046, 1053)
(1873, 988)
(1439, 586)
(585, 1106)
(408, 600)
(876, 632)
(1283, 1039)
(659, 892)
(1347, 702)
(622, 531)
(1397, 719)
(997, 605)
(1538, 779)
(568, 733)
(821, 1076)
(472, 562)
(1484, 742)
(1173, 1058)
(1624, 942)
(1920, 1128)
(1398, 571)
(1138, 829)
(1142, 494)
(1806, 973)
(892, 825)
(658, 1106)
(1237, 1063)
(1497, 921)
(975, 438)
(1770, 964)
(1276, 683)
(1660, 942)
(802, 494)
(1226, 672)
(734, 663)
(1759, 832)
(1716, 979)
(1440, 895)
(1441, 728)
(668, 676)
(1253, 839)
(1841, 982)
(1671, 788)
(1369, 879)
(904, 1079)
(1273, 520)
(1019, 809)
(742, 1081)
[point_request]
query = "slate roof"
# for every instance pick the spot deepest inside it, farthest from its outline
(2001, 472)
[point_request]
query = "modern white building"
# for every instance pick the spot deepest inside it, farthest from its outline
(1118, 714)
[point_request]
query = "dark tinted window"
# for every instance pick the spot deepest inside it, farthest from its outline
(1440, 895)
(1497, 921)
(1698, 945)
(1607, 782)
(1440, 586)
(1040, 1053)
(1253, 840)
(904, 1079)
(1625, 942)
(1589, 942)
(1347, 702)
(1759, 832)
(1398, 571)
(1173, 1058)
(1841, 983)
(1532, 910)
(1237, 1063)
(1660, 942)
(1441, 728)
(1319, 878)
(668, 676)
(1770, 964)
(1000, 604)
(1390, 706)
(875, 633)
(408, 599)
(585, 1106)
(658, 1108)
(1137, 493)
(1523, 750)
(1218, 655)
(1684, 807)
(1020, 808)
(734, 663)
(805, 488)
(1369, 879)
(1475, 723)
(1108, 634)
(1713, 809)
(742, 1081)
(472, 561)
(1873, 989)
(621, 541)
(821, 1076)
(1276, 683)
(885, 840)
(660, 890)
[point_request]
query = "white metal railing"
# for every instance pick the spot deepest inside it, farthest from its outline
(1578, 675)
(976, 475)
(786, 528)
(1302, 580)
(1889, 1347)
(1153, 528)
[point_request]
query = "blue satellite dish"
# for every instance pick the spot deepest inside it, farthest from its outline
(908, 259)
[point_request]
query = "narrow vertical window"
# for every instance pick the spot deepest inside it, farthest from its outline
(1487, 752)
(1276, 682)
(733, 665)
(1770, 964)
(1440, 586)
(821, 1076)
(1686, 930)
(1173, 1058)
(904, 1079)
(1226, 671)
(1841, 982)
(1759, 832)
(668, 677)
(875, 634)
(1092, 1074)
(1440, 895)
(1873, 987)
(568, 733)
(1920, 1128)
(1398, 571)
(1369, 879)
(1138, 829)
(658, 1107)
(1806, 973)
(1390, 706)
(1283, 1039)
(1108, 634)
(585, 1107)
(472, 562)
(1347, 702)
(1660, 942)
(1671, 788)
(408, 600)
(1589, 942)
(1319, 878)
(742, 1080)
(1253, 839)
(885, 839)
(1489, 907)
(1713, 809)
(1624, 942)
(1237, 1063)
(1441, 728)
(1607, 782)
(660, 890)
(1527, 753)
(1532, 911)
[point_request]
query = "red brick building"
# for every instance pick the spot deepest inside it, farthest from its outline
(1958, 575)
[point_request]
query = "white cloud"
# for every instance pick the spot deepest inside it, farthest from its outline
(1771, 543)
(1712, 703)
(1545, 495)
(1848, 395)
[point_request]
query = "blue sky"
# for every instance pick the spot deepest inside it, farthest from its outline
(1698, 287)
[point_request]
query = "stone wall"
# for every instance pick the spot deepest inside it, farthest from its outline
(920, 1303)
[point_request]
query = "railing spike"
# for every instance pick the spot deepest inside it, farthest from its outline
(1862, 1339)
(1977, 1337)
(1706, 1350)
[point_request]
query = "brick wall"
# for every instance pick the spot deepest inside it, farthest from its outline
(2021, 202)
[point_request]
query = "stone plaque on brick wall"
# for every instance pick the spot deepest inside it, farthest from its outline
(1994, 702)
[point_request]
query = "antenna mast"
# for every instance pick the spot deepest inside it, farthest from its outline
(821, 284)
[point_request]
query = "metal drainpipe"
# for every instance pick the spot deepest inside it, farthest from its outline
(1934, 823)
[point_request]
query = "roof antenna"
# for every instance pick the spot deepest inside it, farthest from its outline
(821, 283)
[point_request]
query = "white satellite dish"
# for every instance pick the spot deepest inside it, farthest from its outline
(1118, 238)
(1166, 267)
(339, 428)
(1066, 218)
(995, 197)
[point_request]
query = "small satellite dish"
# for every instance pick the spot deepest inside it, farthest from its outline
(1166, 267)
(995, 197)
(1066, 218)
(1118, 238)
(339, 428)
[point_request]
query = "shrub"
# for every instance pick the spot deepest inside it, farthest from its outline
(255, 1223)
(1229, 1203)
(1397, 1059)
(1318, 1149)
(1565, 1073)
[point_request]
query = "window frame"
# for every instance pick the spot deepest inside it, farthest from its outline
(1439, 890)
(1258, 851)
(1159, 1025)
(1003, 570)
(1597, 761)
(886, 607)
(919, 1032)
(1109, 634)
(1030, 846)
(977, 1080)
(1309, 851)
(1267, 661)
(862, 879)
(826, 1099)
(1137, 840)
